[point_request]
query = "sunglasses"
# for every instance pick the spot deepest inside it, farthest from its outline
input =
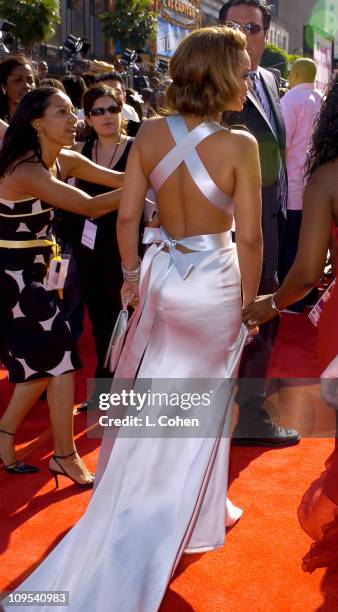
(100, 110)
(246, 28)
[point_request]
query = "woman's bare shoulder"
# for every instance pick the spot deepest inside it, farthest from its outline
(68, 155)
(324, 178)
(69, 158)
(327, 170)
(242, 138)
(28, 170)
(237, 144)
(78, 147)
(150, 126)
(21, 180)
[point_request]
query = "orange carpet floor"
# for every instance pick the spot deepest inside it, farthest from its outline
(259, 568)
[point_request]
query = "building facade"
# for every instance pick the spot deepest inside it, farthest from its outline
(330, 19)
(210, 10)
(80, 17)
(176, 19)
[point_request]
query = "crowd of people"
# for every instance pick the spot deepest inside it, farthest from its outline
(216, 146)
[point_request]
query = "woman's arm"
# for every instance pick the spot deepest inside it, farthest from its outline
(128, 223)
(131, 208)
(34, 180)
(79, 166)
(334, 254)
(314, 242)
(248, 212)
(3, 128)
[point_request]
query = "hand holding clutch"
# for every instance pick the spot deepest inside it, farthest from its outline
(117, 340)
(129, 296)
(129, 293)
(130, 287)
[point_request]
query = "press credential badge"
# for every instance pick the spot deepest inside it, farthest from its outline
(89, 234)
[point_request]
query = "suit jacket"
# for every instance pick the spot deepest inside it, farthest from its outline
(271, 150)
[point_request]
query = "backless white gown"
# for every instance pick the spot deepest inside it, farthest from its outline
(157, 497)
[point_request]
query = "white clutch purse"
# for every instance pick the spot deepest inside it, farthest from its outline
(116, 341)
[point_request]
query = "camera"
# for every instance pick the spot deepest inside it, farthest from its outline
(163, 66)
(75, 46)
(6, 37)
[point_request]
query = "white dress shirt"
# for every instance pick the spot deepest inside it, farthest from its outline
(129, 113)
(300, 107)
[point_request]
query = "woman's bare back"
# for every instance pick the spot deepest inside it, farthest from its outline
(183, 209)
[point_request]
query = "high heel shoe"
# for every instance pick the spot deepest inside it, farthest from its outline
(84, 485)
(17, 467)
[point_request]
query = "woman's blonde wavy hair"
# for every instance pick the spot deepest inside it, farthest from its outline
(204, 70)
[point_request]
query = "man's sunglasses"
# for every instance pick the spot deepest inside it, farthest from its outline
(100, 110)
(246, 28)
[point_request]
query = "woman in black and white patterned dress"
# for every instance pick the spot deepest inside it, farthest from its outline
(36, 344)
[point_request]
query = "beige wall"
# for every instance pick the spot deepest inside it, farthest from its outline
(294, 14)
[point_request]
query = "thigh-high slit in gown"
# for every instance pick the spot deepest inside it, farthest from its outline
(156, 497)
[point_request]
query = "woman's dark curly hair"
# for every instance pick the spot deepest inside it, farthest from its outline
(324, 144)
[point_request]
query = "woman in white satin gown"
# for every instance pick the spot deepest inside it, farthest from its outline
(158, 497)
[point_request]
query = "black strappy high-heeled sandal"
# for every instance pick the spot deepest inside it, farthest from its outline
(18, 467)
(84, 485)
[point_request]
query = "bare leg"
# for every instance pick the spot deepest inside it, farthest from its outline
(60, 395)
(24, 397)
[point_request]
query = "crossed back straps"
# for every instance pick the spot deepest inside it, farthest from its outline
(185, 151)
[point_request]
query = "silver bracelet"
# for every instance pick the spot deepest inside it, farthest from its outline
(132, 276)
(274, 305)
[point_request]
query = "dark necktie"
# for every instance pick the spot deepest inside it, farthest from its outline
(259, 94)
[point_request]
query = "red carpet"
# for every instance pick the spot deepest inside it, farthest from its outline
(260, 567)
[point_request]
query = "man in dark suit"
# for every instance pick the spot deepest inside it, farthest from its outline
(262, 116)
